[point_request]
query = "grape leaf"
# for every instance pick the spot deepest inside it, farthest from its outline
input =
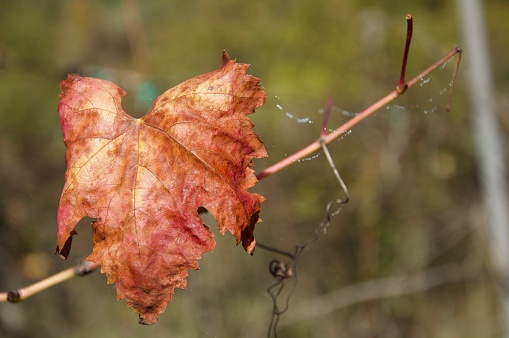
(143, 180)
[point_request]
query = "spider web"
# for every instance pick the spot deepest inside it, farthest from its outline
(430, 95)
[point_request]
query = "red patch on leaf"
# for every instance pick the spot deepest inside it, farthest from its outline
(143, 180)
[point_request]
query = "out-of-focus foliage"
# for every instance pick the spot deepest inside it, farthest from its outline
(410, 169)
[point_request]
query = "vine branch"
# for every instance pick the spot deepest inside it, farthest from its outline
(328, 138)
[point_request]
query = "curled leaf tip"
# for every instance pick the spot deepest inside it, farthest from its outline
(250, 247)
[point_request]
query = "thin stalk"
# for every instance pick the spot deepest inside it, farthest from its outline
(410, 29)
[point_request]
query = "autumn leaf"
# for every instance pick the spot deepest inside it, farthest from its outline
(143, 180)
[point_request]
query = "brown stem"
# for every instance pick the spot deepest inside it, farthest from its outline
(410, 28)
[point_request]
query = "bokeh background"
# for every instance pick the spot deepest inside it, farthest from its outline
(407, 257)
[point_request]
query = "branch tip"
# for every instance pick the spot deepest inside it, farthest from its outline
(402, 85)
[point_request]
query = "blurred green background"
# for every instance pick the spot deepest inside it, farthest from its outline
(411, 171)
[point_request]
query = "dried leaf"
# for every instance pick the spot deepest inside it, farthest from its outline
(143, 180)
